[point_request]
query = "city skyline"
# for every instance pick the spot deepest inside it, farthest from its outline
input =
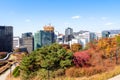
(32, 15)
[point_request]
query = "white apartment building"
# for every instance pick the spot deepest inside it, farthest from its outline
(83, 42)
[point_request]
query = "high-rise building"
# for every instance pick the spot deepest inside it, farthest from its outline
(28, 41)
(6, 38)
(28, 34)
(68, 34)
(68, 31)
(44, 37)
(16, 42)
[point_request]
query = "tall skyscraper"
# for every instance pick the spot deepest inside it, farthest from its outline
(68, 31)
(28, 41)
(68, 34)
(6, 38)
(44, 37)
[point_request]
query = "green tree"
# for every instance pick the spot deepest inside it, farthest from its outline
(16, 72)
(51, 57)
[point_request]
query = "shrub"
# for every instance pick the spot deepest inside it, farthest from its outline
(59, 72)
(42, 74)
(94, 70)
(79, 72)
(96, 59)
(16, 72)
(74, 72)
(76, 47)
(106, 75)
(81, 59)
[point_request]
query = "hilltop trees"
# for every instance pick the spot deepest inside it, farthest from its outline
(54, 60)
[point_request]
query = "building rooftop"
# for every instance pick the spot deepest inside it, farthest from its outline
(112, 31)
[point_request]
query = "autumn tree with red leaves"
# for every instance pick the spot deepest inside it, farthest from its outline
(81, 59)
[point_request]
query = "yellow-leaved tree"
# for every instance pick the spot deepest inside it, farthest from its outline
(76, 47)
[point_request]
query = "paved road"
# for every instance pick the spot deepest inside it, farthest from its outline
(5, 58)
(5, 74)
(115, 78)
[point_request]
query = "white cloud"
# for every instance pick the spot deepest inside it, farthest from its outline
(27, 20)
(103, 18)
(75, 17)
(109, 23)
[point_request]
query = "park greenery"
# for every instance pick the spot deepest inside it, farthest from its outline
(55, 60)
(16, 72)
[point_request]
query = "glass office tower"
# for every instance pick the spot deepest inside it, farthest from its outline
(6, 38)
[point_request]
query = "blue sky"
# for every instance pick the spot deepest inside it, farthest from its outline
(32, 15)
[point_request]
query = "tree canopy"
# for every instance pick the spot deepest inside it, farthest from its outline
(51, 57)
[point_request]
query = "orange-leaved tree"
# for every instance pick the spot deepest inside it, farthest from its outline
(101, 45)
(117, 38)
(107, 45)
